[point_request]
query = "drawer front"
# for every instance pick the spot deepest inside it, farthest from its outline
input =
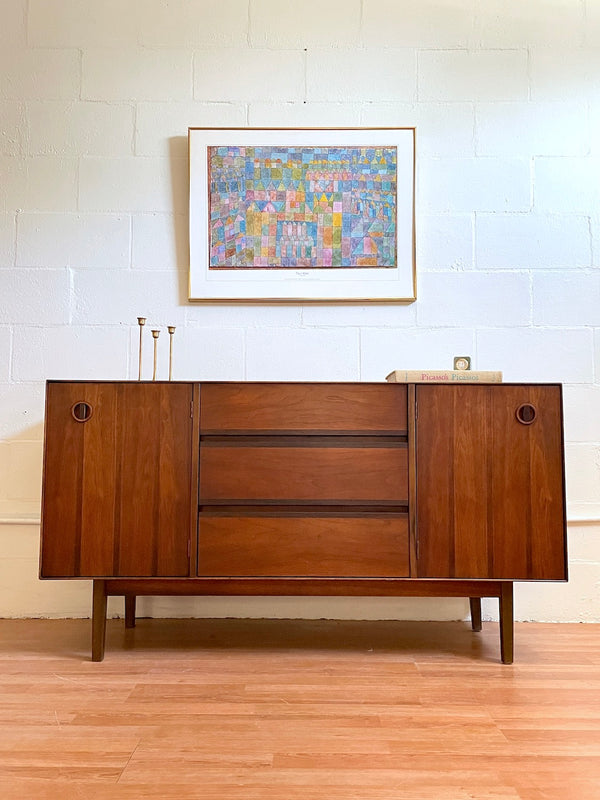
(305, 474)
(255, 546)
(303, 407)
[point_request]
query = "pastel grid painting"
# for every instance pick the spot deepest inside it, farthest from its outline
(302, 207)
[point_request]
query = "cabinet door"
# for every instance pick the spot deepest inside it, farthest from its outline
(490, 485)
(117, 493)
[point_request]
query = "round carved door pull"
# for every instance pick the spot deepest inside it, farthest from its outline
(526, 413)
(81, 411)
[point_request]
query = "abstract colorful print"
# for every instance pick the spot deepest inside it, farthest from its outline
(302, 207)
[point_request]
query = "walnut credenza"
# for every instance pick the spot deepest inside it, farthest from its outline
(364, 489)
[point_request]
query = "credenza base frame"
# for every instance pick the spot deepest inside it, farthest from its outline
(474, 590)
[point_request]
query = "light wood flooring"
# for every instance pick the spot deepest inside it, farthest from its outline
(272, 710)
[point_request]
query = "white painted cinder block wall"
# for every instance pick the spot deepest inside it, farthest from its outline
(95, 101)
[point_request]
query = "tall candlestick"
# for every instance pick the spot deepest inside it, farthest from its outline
(171, 329)
(141, 323)
(155, 335)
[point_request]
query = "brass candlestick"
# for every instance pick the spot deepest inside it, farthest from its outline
(141, 323)
(171, 329)
(155, 335)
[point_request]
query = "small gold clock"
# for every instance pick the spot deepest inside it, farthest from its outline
(462, 362)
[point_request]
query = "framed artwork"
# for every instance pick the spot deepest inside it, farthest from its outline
(302, 215)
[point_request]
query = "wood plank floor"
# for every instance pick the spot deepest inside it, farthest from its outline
(283, 710)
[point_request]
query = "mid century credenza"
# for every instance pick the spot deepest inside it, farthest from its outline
(256, 488)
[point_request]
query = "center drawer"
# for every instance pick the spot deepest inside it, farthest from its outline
(256, 545)
(311, 408)
(246, 472)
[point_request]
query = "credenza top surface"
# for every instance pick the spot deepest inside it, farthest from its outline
(303, 382)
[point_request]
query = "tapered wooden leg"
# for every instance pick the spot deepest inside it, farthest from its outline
(98, 620)
(130, 611)
(506, 622)
(475, 603)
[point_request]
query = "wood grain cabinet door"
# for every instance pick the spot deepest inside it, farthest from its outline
(490, 483)
(117, 467)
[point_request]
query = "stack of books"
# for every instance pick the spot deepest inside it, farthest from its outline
(444, 376)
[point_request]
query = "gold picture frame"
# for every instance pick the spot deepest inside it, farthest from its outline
(302, 215)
